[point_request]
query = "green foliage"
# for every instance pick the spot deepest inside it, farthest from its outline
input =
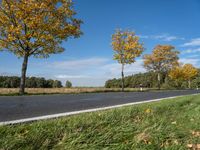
(57, 84)
(149, 80)
(31, 82)
(68, 84)
(9, 82)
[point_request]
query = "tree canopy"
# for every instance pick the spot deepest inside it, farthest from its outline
(183, 72)
(162, 59)
(32, 27)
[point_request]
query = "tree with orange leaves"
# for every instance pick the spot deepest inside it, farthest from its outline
(162, 59)
(36, 28)
(126, 48)
(176, 74)
(189, 72)
(183, 72)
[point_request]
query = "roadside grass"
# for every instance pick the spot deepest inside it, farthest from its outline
(172, 124)
(46, 91)
(75, 90)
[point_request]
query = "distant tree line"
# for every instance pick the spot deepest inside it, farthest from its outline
(149, 80)
(31, 82)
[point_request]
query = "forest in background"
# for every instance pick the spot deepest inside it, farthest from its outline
(149, 80)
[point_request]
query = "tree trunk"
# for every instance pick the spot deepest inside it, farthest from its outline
(189, 84)
(158, 80)
(23, 75)
(122, 77)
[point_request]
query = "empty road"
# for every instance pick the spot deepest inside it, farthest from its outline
(21, 107)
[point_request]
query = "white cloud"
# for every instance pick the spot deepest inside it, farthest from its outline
(190, 51)
(193, 42)
(64, 76)
(8, 74)
(114, 69)
(102, 70)
(166, 37)
(163, 37)
(192, 61)
(78, 64)
(143, 36)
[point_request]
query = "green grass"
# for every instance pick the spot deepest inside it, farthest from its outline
(169, 124)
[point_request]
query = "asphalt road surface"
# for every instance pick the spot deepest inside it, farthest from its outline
(21, 107)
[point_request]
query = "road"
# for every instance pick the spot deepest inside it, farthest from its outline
(20, 107)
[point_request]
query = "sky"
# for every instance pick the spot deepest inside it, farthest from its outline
(88, 60)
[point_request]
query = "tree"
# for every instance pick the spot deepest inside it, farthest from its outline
(40, 82)
(126, 48)
(189, 72)
(196, 82)
(31, 82)
(177, 74)
(36, 28)
(183, 72)
(162, 59)
(68, 84)
(57, 84)
(50, 83)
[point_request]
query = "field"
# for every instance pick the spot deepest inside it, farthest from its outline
(170, 124)
(9, 91)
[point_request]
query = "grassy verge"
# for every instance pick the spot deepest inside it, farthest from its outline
(170, 124)
(49, 91)
(46, 91)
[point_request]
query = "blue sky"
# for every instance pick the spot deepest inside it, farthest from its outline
(87, 61)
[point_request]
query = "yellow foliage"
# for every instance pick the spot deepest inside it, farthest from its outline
(126, 46)
(187, 72)
(36, 27)
(176, 73)
(163, 58)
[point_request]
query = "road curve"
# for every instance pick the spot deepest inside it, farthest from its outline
(21, 107)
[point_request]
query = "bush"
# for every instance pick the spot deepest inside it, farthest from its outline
(57, 84)
(68, 84)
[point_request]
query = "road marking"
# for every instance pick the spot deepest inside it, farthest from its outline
(83, 111)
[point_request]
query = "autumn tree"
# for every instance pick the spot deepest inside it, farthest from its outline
(189, 72)
(177, 74)
(162, 59)
(126, 48)
(183, 72)
(36, 28)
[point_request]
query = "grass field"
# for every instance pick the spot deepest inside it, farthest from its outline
(170, 124)
(14, 91)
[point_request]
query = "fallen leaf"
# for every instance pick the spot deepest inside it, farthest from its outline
(194, 146)
(189, 145)
(148, 111)
(174, 122)
(196, 133)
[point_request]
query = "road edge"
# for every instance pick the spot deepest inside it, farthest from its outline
(53, 116)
